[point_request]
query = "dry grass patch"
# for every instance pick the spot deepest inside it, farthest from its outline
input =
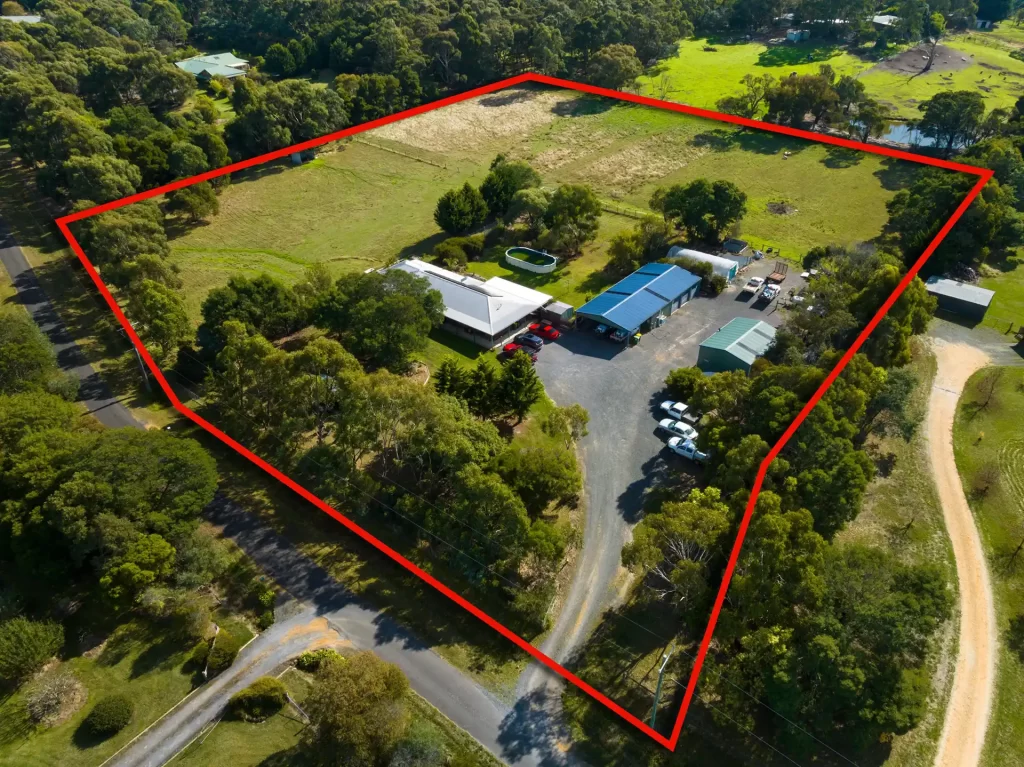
(643, 161)
(481, 121)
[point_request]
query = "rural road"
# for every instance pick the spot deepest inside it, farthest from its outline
(93, 392)
(522, 735)
(970, 701)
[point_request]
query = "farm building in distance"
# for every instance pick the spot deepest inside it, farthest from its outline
(735, 346)
(960, 298)
(484, 312)
(720, 264)
(649, 294)
(208, 66)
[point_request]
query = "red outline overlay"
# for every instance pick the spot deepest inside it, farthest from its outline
(670, 743)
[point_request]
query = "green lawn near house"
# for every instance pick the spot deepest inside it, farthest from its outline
(135, 661)
(988, 439)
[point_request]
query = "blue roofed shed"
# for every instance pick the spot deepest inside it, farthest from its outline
(653, 290)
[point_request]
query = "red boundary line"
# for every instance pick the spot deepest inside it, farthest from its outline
(670, 743)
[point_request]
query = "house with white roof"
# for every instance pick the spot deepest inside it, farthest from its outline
(486, 312)
(210, 65)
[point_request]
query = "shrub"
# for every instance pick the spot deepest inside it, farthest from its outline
(260, 700)
(26, 645)
(46, 700)
(200, 654)
(450, 256)
(265, 620)
(108, 717)
(314, 659)
(222, 655)
(717, 284)
(472, 246)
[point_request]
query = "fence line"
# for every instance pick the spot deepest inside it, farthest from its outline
(400, 154)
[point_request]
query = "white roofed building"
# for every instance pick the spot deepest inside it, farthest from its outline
(486, 312)
(721, 265)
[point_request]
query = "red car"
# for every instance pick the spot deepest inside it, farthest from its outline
(547, 332)
(511, 349)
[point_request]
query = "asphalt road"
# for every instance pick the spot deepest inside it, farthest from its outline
(94, 393)
(522, 735)
(623, 456)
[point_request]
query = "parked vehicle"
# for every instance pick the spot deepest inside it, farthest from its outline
(619, 336)
(530, 340)
(601, 330)
(509, 350)
(770, 293)
(678, 429)
(753, 285)
(687, 449)
(547, 332)
(674, 409)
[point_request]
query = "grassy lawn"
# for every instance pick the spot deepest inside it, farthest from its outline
(275, 741)
(989, 445)
(135, 662)
(278, 219)
(699, 77)
(1007, 280)
(901, 513)
(244, 744)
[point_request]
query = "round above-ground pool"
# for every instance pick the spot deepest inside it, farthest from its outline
(531, 260)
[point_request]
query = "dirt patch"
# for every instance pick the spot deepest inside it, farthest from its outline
(55, 698)
(418, 373)
(912, 61)
(781, 208)
(480, 121)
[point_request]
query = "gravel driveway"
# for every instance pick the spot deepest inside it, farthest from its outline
(623, 455)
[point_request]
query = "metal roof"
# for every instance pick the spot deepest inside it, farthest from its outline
(743, 337)
(22, 19)
(963, 291)
(719, 264)
(222, 64)
(489, 307)
(636, 298)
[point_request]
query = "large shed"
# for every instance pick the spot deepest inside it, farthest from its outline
(721, 265)
(960, 297)
(652, 291)
(735, 346)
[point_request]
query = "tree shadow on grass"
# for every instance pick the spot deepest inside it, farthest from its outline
(162, 654)
(749, 140)
(840, 157)
(897, 174)
(791, 55)
(423, 247)
(292, 757)
(587, 104)
(1004, 261)
(15, 722)
(84, 738)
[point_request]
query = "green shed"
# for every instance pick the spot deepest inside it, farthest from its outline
(735, 346)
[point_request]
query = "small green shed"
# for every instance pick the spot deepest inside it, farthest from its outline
(735, 346)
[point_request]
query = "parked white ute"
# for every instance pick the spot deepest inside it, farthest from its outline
(674, 409)
(678, 429)
(687, 449)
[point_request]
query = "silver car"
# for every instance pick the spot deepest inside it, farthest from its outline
(678, 429)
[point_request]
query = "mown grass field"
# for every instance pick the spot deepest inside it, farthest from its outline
(372, 199)
(988, 440)
(699, 77)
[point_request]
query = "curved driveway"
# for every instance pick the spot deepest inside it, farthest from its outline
(623, 455)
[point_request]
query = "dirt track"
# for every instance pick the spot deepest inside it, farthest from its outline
(970, 702)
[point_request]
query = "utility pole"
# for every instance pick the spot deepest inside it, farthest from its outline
(142, 366)
(661, 678)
